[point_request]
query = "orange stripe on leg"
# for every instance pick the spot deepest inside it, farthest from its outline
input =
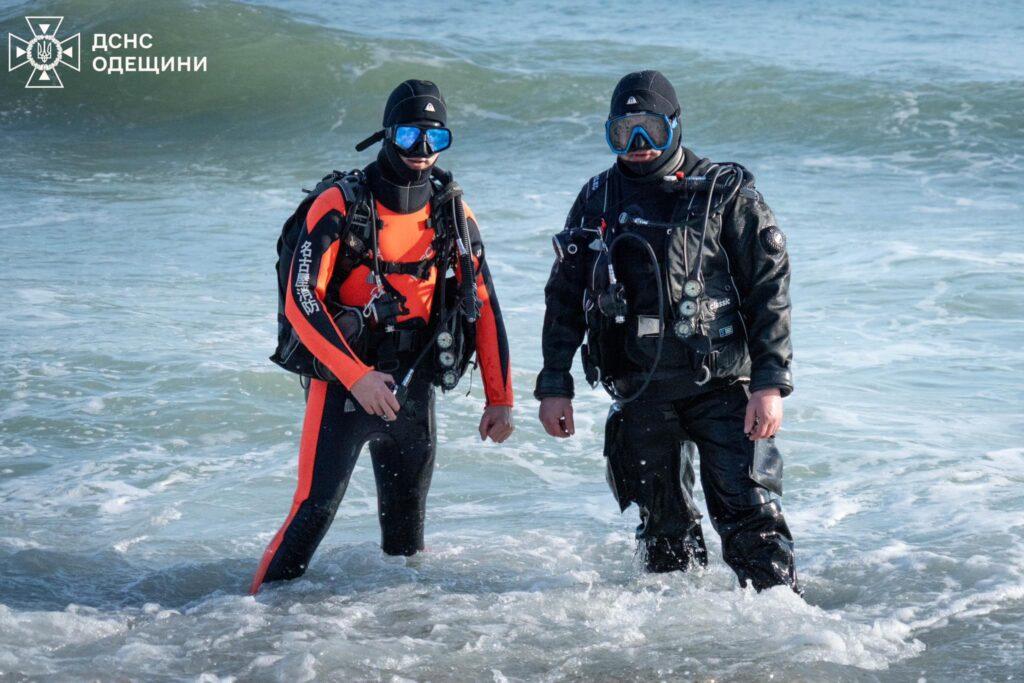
(307, 460)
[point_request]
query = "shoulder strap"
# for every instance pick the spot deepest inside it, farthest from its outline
(356, 232)
(439, 178)
(325, 182)
(352, 184)
(444, 190)
(442, 219)
(358, 203)
(595, 202)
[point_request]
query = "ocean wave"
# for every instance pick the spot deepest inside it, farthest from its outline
(284, 77)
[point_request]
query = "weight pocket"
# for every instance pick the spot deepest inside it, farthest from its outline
(727, 340)
(642, 350)
(615, 452)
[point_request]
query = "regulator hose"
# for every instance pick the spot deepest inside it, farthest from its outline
(697, 269)
(469, 303)
(619, 399)
(401, 390)
(708, 183)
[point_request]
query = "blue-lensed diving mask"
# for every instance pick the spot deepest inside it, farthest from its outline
(657, 130)
(419, 140)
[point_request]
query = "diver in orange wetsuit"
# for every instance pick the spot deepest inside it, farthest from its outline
(361, 407)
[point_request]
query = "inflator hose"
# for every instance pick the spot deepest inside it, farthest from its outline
(661, 317)
(466, 260)
(469, 307)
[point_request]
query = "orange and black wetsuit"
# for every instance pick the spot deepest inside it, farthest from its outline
(336, 427)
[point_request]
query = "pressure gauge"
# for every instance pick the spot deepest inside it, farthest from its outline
(445, 340)
(693, 288)
(683, 329)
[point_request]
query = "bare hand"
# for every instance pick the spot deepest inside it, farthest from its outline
(556, 416)
(496, 423)
(764, 414)
(373, 391)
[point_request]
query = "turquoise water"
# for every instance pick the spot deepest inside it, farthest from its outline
(147, 447)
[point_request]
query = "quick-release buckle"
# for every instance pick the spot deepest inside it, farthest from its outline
(359, 220)
(355, 244)
(417, 269)
(374, 295)
(385, 310)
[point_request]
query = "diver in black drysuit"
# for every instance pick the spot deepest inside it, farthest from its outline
(699, 388)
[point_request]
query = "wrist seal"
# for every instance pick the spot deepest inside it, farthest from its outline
(777, 378)
(554, 383)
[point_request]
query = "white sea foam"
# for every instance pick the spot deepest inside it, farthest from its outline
(148, 450)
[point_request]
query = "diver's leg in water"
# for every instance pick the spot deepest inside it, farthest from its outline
(333, 433)
(647, 466)
(403, 463)
(756, 541)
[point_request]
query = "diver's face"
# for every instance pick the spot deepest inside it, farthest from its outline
(640, 156)
(420, 163)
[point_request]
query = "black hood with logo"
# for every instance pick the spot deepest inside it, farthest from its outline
(398, 187)
(648, 91)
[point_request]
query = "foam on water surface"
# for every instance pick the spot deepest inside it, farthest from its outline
(147, 447)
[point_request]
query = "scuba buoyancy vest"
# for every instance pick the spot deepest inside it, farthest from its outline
(450, 333)
(660, 302)
(290, 353)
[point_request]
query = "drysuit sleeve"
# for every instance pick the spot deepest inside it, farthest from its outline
(564, 321)
(760, 264)
(491, 340)
(312, 267)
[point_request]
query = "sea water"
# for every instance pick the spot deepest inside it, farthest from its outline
(148, 447)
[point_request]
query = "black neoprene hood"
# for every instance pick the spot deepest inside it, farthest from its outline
(648, 91)
(415, 101)
(644, 91)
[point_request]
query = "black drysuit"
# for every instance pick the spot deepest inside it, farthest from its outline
(698, 393)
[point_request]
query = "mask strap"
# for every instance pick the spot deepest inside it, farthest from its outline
(372, 140)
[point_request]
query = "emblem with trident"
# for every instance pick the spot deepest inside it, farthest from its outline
(44, 52)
